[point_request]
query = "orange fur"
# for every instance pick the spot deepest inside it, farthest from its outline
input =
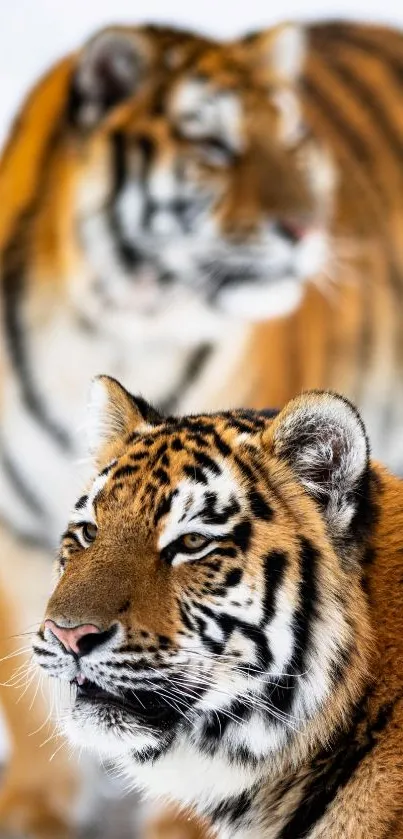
(366, 701)
(347, 336)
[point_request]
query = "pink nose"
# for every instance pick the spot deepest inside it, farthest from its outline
(70, 637)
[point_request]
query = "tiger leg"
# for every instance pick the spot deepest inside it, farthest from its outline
(37, 792)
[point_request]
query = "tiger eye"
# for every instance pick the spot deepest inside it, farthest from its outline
(89, 531)
(194, 541)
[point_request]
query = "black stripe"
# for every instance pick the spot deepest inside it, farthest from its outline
(274, 564)
(332, 770)
(361, 38)
(163, 508)
(130, 257)
(259, 506)
(281, 696)
(206, 462)
(233, 809)
(18, 484)
(364, 158)
(15, 260)
(125, 472)
(193, 368)
(367, 95)
(229, 624)
(81, 502)
(343, 127)
(211, 515)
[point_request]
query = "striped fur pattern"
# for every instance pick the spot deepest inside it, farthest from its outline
(346, 334)
(233, 571)
(161, 194)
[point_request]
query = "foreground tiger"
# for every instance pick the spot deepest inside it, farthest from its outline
(159, 193)
(228, 607)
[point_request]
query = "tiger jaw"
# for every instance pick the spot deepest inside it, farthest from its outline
(144, 716)
(200, 274)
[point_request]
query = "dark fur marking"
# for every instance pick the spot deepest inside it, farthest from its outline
(185, 617)
(281, 695)
(221, 445)
(124, 607)
(228, 552)
(233, 809)
(81, 502)
(233, 577)
(274, 564)
(207, 462)
(162, 476)
(193, 368)
(163, 508)
(125, 471)
(195, 473)
(210, 514)
(333, 769)
(22, 490)
(241, 535)
(259, 506)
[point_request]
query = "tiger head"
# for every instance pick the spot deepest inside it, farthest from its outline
(198, 181)
(209, 609)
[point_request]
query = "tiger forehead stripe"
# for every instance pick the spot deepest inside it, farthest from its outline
(207, 506)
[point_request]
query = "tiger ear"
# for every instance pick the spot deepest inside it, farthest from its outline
(110, 68)
(278, 57)
(113, 413)
(281, 51)
(322, 438)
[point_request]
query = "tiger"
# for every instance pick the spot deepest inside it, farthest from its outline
(190, 197)
(171, 209)
(42, 327)
(239, 207)
(77, 292)
(226, 611)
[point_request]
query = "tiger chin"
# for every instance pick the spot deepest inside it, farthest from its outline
(228, 613)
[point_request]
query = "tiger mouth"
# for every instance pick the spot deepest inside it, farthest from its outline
(145, 705)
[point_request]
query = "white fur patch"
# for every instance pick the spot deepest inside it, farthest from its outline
(291, 127)
(98, 417)
(257, 301)
(203, 111)
(288, 51)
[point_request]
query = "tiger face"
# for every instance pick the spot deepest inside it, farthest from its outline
(208, 611)
(201, 187)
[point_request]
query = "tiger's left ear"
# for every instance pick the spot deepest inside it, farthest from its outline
(113, 413)
(323, 440)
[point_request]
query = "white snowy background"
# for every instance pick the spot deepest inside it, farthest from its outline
(34, 33)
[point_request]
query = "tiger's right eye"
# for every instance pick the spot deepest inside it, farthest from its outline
(89, 532)
(194, 541)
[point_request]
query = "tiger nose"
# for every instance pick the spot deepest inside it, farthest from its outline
(76, 639)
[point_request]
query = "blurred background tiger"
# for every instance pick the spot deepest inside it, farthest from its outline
(215, 224)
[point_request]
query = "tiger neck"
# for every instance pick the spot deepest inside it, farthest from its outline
(281, 798)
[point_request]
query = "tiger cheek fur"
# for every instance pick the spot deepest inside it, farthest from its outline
(214, 612)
